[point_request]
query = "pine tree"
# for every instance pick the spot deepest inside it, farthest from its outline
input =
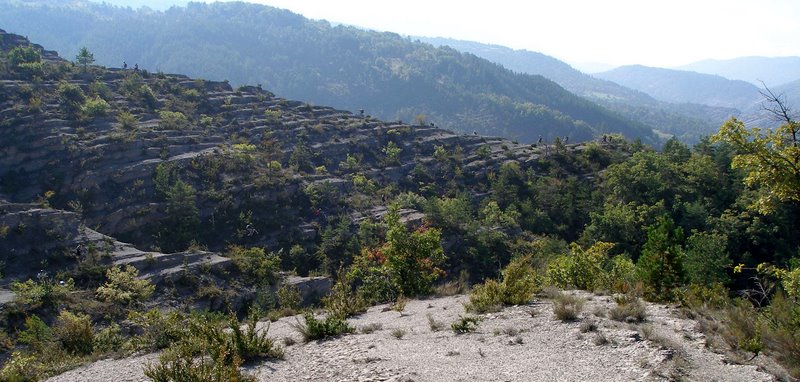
(661, 265)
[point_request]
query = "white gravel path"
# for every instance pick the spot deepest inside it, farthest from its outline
(544, 349)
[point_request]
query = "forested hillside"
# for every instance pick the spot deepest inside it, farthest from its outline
(386, 75)
(688, 121)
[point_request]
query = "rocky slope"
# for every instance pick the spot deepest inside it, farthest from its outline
(241, 150)
(520, 343)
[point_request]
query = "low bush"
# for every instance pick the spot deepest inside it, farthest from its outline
(21, 367)
(249, 343)
(465, 324)
(289, 297)
(567, 307)
(743, 330)
(518, 286)
(74, 332)
(314, 329)
(158, 331)
(188, 368)
(781, 332)
(486, 297)
(209, 351)
(629, 309)
(343, 301)
(124, 287)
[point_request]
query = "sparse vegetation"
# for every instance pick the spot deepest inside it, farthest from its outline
(465, 324)
(629, 309)
(316, 329)
(398, 333)
(567, 307)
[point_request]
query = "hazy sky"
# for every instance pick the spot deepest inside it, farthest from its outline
(649, 32)
(617, 32)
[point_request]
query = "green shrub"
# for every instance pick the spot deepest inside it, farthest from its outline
(95, 107)
(703, 297)
(208, 352)
(36, 334)
(22, 368)
(109, 340)
(465, 324)
(486, 297)
(621, 274)
(172, 120)
(407, 264)
(256, 266)
(315, 329)
(567, 307)
(248, 343)
(289, 297)
(159, 331)
(124, 287)
(342, 301)
(518, 286)
(781, 331)
(581, 269)
(519, 282)
(44, 291)
(191, 369)
(74, 332)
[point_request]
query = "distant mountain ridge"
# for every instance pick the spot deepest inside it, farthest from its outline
(688, 121)
(681, 86)
(773, 71)
(383, 73)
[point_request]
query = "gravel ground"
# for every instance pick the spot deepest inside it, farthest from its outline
(520, 343)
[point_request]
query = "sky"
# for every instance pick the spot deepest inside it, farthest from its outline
(663, 33)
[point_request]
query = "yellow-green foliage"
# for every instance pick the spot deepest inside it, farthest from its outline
(256, 266)
(37, 334)
(95, 107)
(769, 157)
(44, 291)
(172, 120)
(582, 269)
(21, 367)
(74, 332)
(127, 121)
(486, 297)
(518, 286)
(158, 331)
(123, 286)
